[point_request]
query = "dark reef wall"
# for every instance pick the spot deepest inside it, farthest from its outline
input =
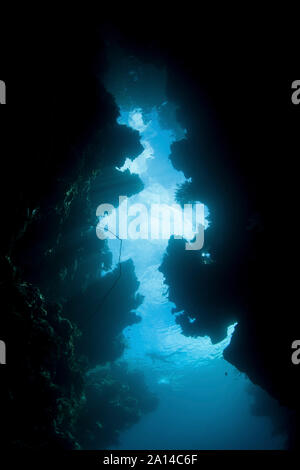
(114, 397)
(247, 181)
(62, 147)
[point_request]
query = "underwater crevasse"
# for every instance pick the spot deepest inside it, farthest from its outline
(204, 402)
(158, 336)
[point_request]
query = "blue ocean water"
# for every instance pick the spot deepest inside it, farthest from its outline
(204, 402)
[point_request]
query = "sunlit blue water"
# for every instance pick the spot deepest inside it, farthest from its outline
(158, 332)
(203, 401)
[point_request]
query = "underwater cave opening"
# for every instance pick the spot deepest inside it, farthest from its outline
(203, 401)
